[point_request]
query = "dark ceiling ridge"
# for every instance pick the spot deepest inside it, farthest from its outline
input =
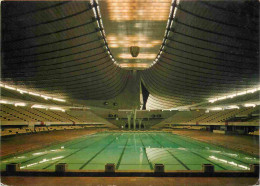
(176, 89)
(100, 78)
(206, 56)
(204, 62)
(100, 93)
(47, 52)
(94, 82)
(207, 49)
(51, 65)
(63, 67)
(212, 42)
(74, 76)
(170, 77)
(45, 8)
(183, 86)
(83, 76)
(57, 57)
(54, 42)
(57, 74)
(94, 91)
(224, 9)
(50, 33)
(214, 32)
(213, 20)
(198, 72)
(51, 21)
(178, 81)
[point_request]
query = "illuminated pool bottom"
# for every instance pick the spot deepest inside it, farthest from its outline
(133, 151)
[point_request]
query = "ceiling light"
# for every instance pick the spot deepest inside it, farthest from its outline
(34, 94)
(234, 95)
(136, 65)
(174, 13)
(57, 108)
(46, 97)
(57, 99)
(5, 102)
(249, 105)
(221, 98)
(20, 104)
(11, 88)
(140, 56)
(39, 106)
(212, 100)
(21, 91)
(231, 96)
(163, 47)
(241, 93)
(216, 108)
(113, 45)
(251, 91)
(232, 107)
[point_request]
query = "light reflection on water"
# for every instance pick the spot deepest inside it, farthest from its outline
(42, 161)
(61, 149)
(229, 162)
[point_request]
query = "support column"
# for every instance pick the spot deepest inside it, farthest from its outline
(134, 119)
(31, 125)
(129, 116)
(140, 122)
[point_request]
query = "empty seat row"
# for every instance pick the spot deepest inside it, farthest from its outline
(26, 130)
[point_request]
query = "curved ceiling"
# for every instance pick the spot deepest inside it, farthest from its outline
(58, 48)
(211, 49)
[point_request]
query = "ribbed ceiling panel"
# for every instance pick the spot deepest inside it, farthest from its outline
(57, 48)
(212, 50)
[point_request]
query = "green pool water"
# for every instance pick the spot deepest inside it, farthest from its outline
(133, 151)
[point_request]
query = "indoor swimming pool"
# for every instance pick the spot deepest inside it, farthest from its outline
(132, 151)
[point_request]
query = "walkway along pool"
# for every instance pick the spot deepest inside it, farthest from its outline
(133, 151)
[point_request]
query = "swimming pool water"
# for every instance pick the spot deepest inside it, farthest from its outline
(133, 151)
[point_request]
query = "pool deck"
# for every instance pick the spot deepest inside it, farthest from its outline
(247, 144)
(132, 181)
(27, 142)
